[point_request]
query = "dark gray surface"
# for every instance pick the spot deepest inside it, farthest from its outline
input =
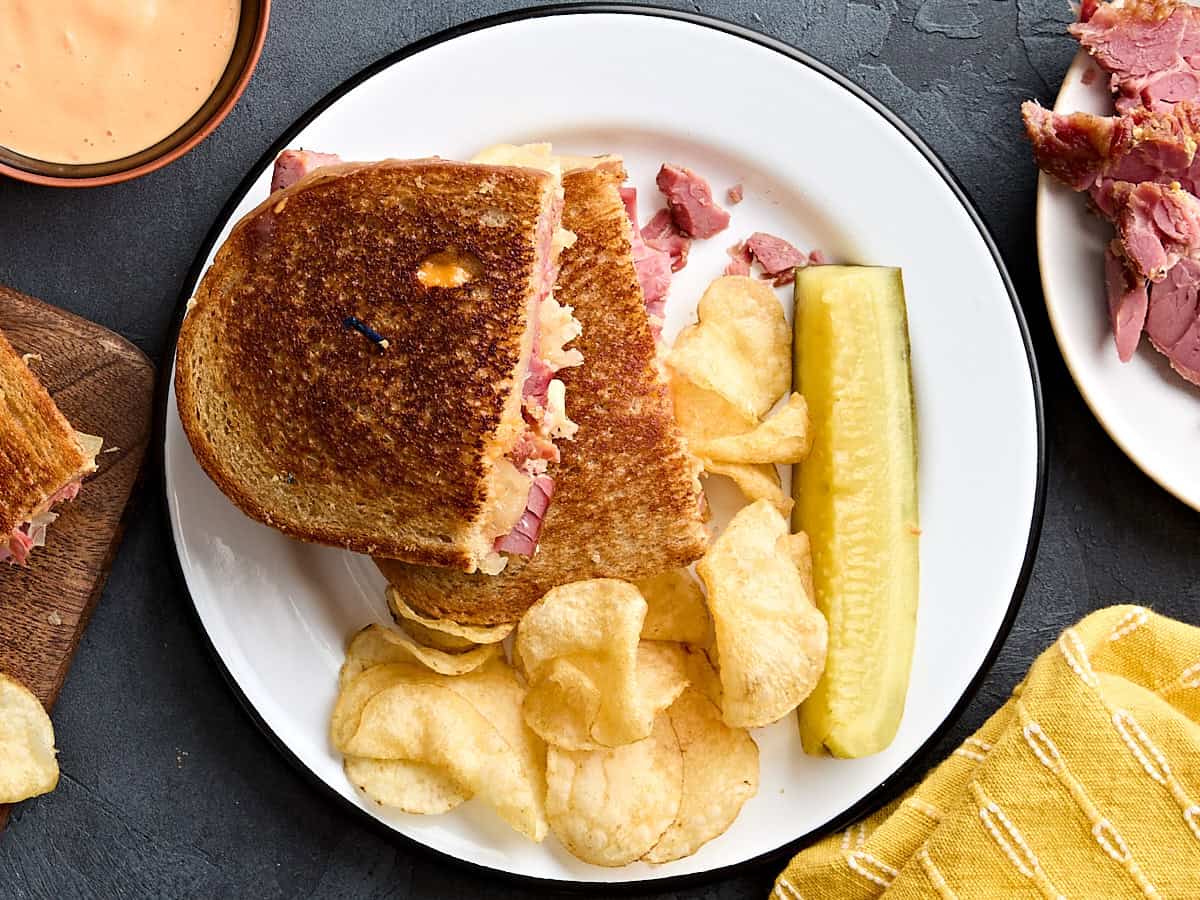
(168, 789)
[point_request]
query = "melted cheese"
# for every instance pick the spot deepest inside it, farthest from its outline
(449, 269)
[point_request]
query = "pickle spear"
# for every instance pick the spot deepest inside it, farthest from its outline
(856, 497)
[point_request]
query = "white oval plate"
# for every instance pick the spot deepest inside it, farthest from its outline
(824, 166)
(1148, 410)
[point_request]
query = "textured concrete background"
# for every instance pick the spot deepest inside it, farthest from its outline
(168, 790)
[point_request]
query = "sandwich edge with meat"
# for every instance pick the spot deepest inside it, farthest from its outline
(629, 502)
(47, 458)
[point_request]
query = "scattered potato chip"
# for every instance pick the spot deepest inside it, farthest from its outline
(376, 644)
(662, 674)
(28, 766)
(740, 347)
(785, 438)
(610, 807)
(592, 683)
(720, 773)
(703, 415)
(426, 722)
(578, 645)
(497, 694)
(563, 704)
(410, 787)
(700, 668)
(756, 482)
(675, 608)
(355, 692)
(438, 640)
(770, 637)
(476, 634)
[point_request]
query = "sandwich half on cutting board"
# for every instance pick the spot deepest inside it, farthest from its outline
(370, 361)
(43, 460)
(628, 501)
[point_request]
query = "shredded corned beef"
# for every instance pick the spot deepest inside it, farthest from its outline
(690, 200)
(739, 259)
(777, 258)
(661, 234)
(653, 266)
(32, 534)
(19, 545)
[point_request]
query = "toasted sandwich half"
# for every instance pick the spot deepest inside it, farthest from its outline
(370, 360)
(43, 460)
(628, 501)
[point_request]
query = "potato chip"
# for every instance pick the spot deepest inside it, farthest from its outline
(770, 637)
(703, 415)
(799, 548)
(476, 634)
(356, 691)
(438, 640)
(427, 722)
(410, 787)
(662, 674)
(700, 668)
(28, 766)
(561, 707)
(740, 347)
(756, 482)
(579, 646)
(611, 806)
(784, 438)
(675, 608)
(720, 773)
(376, 644)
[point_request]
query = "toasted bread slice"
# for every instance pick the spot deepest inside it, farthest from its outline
(42, 458)
(627, 499)
(338, 383)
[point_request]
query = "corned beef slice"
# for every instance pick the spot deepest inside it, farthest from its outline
(1173, 320)
(292, 165)
(523, 539)
(1126, 302)
(1151, 49)
(1083, 150)
(1157, 226)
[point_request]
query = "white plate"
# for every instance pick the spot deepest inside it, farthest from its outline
(1148, 410)
(822, 165)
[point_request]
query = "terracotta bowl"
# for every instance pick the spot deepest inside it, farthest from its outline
(247, 47)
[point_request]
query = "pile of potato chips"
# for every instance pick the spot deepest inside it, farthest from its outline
(727, 372)
(620, 723)
(28, 765)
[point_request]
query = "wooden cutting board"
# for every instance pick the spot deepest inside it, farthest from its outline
(105, 386)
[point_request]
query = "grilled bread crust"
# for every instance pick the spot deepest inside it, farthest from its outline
(627, 500)
(39, 452)
(309, 425)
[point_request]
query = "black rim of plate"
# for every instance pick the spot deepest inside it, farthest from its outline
(890, 786)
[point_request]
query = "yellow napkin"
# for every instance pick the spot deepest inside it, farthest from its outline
(1085, 784)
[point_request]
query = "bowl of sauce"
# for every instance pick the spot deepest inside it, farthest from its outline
(99, 91)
